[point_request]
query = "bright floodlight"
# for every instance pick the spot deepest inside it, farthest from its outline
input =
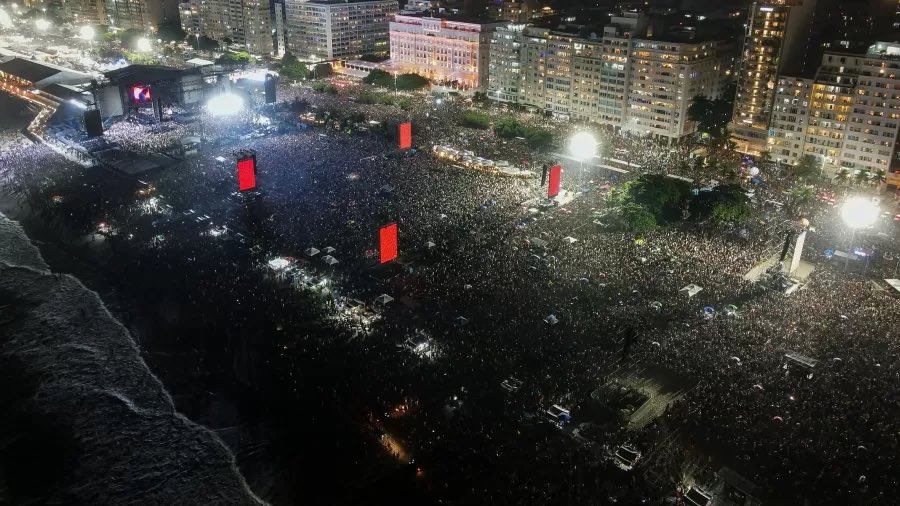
(143, 45)
(86, 32)
(583, 146)
(226, 104)
(5, 20)
(859, 212)
(42, 24)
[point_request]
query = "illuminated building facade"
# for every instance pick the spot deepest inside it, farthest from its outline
(443, 49)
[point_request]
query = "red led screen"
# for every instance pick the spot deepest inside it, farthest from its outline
(553, 189)
(387, 247)
(140, 95)
(246, 174)
(405, 135)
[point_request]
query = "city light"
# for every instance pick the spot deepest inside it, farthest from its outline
(583, 146)
(86, 32)
(143, 45)
(226, 104)
(859, 212)
(42, 24)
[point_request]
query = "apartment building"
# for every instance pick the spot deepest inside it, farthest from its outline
(443, 49)
(853, 112)
(246, 23)
(332, 29)
(640, 85)
(787, 128)
(665, 77)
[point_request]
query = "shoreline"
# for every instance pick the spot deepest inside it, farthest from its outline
(85, 366)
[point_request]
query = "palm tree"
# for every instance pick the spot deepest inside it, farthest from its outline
(843, 176)
(879, 176)
(862, 177)
(802, 195)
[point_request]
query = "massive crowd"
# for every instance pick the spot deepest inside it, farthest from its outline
(825, 434)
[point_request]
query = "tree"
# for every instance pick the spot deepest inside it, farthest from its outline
(636, 218)
(807, 167)
(374, 58)
(843, 176)
(661, 195)
(879, 177)
(170, 32)
(207, 44)
(726, 203)
(235, 58)
(292, 69)
(711, 116)
(802, 195)
(862, 177)
(378, 77)
(477, 120)
(322, 70)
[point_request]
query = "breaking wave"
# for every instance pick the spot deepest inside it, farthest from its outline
(82, 418)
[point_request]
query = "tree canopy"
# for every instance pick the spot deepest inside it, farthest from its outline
(378, 77)
(726, 203)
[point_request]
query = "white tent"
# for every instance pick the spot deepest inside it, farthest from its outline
(691, 290)
(383, 298)
(330, 260)
(460, 321)
(329, 250)
(570, 239)
(551, 320)
(311, 252)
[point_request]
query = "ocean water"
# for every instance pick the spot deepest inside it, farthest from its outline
(82, 418)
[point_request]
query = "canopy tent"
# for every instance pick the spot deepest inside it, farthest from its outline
(551, 320)
(311, 252)
(570, 239)
(459, 321)
(383, 299)
(691, 290)
(329, 250)
(330, 260)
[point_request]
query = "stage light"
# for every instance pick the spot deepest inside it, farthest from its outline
(143, 45)
(86, 32)
(583, 146)
(859, 212)
(42, 24)
(226, 104)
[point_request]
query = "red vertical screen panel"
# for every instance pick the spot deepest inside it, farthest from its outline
(553, 188)
(246, 169)
(387, 246)
(405, 135)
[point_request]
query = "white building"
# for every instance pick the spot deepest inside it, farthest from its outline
(787, 127)
(639, 85)
(847, 117)
(333, 29)
(443, 49)
(665, 77)
(246, 23)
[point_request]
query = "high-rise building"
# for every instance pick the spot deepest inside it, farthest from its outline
(332, 29)
(637, 84)
(665, 77)
(775, 40)
(789, 116)
(853, 114)
(514, 11)
(83, 12)
(190, 14)
(443, 49)
(246, 23)
(141, 14)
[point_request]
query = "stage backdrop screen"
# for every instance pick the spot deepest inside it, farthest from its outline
(246, 169)
(140, 95)
(553, 188)
(405, 135)
(387, 246)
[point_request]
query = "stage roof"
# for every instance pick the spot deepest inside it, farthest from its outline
(145, 74)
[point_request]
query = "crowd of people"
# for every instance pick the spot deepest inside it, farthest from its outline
(473, 276)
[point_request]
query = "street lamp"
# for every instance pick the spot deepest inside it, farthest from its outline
(583, 146)
(86, 32)
(143, 45)
(858, 213)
